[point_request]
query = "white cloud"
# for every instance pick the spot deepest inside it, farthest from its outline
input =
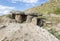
(25, 1)
(30, 4)
(5, 9)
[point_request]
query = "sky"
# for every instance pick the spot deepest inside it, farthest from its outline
(21, 5)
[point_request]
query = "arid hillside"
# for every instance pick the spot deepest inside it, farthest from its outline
(49, 7)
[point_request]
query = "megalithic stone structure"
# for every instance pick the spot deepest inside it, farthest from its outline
(31, 17)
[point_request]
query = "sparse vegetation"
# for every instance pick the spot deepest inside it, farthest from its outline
(50, 6)
(9, 15)
(57, 11)
(55, 33)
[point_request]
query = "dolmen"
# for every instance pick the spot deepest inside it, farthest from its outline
(31, 17)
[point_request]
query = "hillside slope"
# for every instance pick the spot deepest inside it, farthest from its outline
(48, 7)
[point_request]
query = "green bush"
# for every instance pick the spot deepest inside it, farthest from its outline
(57, 11)
(53, 31)
(58, 36)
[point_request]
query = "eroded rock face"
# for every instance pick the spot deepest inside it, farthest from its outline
(25, 32)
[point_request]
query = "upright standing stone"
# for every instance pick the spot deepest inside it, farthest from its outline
(18, 18)
(34, 20)
(29, 18)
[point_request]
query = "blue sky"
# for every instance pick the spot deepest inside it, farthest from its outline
(7, 5)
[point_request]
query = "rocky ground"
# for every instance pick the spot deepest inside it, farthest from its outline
(24, 32)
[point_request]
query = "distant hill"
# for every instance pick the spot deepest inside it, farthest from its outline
(49, 7)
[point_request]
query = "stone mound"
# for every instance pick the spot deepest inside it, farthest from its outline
(25, 32)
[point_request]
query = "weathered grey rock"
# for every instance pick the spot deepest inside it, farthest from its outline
(29, 19)
(34, 14)
(18, 18)
(17, 12)
(34, 20)
(25, 32)
(2, 26)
